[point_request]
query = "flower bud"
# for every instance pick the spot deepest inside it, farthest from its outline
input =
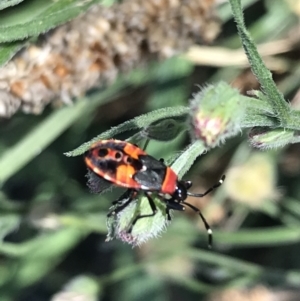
(120, 224)
(216, 112)
(266, 138)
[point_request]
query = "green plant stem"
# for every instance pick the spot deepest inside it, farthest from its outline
(259, 237)
(263, 75)
(184, 161)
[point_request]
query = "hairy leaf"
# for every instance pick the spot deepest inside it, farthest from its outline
(36, 17)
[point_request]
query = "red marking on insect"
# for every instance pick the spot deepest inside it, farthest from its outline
(126, 165)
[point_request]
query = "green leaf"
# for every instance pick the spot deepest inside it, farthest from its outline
(260, 103)
(8, 223)
(8, 50)
(7, 3)
(164, 130)
(139, 122)
(32, 18)
(254, 117)
(294, 123)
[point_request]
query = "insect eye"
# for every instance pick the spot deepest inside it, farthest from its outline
(118, 155)
(102, 152)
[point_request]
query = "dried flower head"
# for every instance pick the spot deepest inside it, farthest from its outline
(94, 48)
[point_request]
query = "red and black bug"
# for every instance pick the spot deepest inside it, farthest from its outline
(126, 165)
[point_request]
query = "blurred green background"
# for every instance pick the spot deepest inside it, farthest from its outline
(53, 229)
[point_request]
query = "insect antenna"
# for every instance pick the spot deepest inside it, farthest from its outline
(200, 195)
(207, 226)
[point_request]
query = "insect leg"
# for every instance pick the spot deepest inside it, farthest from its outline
(129, 193)
(171, 205)
(168, 213)
(145, 145)
(174, 205)
(121, 204)
(200, 195)
(207, 226)
(153, 208)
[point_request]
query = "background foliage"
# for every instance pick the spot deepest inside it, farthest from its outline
(53, 230)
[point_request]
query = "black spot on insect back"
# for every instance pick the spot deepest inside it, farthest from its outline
(118, 155)
(102, 152)
(129, 160)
